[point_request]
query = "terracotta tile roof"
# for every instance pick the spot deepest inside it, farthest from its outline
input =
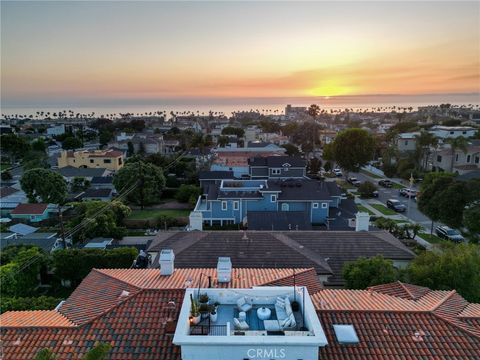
(30, 209)
(470, 311)
(108, 153)
(189, 277)
(43, 318)
(96, 294)
(135, 325)
(400, 321)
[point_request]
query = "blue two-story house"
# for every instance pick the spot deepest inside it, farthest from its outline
(289, 203)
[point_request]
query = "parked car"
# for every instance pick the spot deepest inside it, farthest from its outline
(354, 181)
(447, 233)
(337, 172)
(408, 192)
(396, 205)
(375, 193)
(385, 183)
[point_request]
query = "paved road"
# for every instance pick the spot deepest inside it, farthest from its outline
(384, 194)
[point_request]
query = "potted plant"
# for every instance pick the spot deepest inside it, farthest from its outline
(216, 304)
(204, 309)
(203, 299)
(213, 314)
(194, 311)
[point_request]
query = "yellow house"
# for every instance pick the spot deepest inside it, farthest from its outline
(109, 159)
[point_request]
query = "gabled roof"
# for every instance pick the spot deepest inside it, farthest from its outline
(97, 193)
(70, 171)
(278, 161)
(22, 229)
(281, 249)
(30, 209)
(303, 189)
(215, 175)
(101, 180)
(278, 220)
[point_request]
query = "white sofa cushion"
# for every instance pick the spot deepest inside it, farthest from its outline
(288, 308)
(242, 301)
(271, 325)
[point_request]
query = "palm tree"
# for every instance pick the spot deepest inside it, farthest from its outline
(424, 141)
(459, 143)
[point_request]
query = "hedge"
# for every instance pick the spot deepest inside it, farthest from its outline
(28, 303)
(75, 264)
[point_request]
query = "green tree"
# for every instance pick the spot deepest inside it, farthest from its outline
(365, 272)
(19, 277)
(14, 146)
(99, 352)
(6, 175)
(291, 150)
(471, 219)
(71, 143)
(314, 166)
(34, 160)
(366, 189)
(459, 143)
(131, 149)
(353, 148)
(147, 179)
(39, 145)
(44, 185)
(104, 137)
(46, 354)
(230, 130)
(454, 267)
(28, 303)
(75, 264)
(79, 184)
(188, 193)
(313, 110)
(99, 219)
(222, 141)
(422, 152)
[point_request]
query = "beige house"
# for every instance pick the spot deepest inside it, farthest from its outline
(109, 159)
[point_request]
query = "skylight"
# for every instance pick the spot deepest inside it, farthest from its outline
(346, 334)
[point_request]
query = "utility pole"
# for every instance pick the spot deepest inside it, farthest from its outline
(410, 193)
(142, 182)
(62, 228)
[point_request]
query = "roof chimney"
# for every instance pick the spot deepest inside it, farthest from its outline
(166, 262)
(224, 270)
(362, 221)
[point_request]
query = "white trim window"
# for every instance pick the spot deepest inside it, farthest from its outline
(224, 205)
(315, 205)
(285, 207)
(236, 205)
(273, 198)
(276, 171)
(324, 205)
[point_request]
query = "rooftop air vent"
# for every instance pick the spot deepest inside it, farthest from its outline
(346, 334)
(167, 258)
(224, 270)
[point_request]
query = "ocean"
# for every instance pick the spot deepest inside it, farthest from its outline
(227, 106)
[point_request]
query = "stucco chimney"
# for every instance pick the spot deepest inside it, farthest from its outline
(224, 270)
(362, 221)
(167, 258)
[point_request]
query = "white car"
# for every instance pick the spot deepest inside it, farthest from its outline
(337, 172)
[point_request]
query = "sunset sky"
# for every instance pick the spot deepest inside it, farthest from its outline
(67, 51)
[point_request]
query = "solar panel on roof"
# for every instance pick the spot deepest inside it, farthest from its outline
(346, 334)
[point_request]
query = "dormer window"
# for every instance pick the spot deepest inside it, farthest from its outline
(273, 198)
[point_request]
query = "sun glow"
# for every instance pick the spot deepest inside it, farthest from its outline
(330, 88)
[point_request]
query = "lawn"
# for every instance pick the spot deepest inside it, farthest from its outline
(368, 173)
(152, 214)
(383, 209)
(364, 209)
(397, 186)
(345, 185)
(432, 239)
